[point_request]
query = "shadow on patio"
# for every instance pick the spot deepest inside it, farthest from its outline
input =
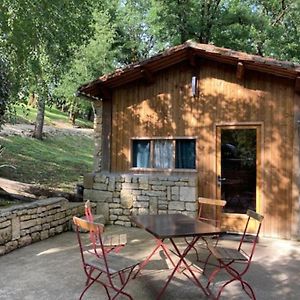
(51, 269)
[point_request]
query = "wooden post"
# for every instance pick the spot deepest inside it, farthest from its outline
(240, 71)
(295, 226)
(106, 135)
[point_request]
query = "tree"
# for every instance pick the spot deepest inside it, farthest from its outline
(40, 37)
(90, 60)
(4, 91)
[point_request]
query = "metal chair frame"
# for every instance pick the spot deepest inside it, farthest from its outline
(100, 265)
(112, 242)
(216, 220)
(226, 257)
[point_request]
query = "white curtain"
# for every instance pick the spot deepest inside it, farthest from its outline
(163, 154)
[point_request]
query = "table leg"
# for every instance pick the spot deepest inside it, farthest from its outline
(159, 243)
(182, 260)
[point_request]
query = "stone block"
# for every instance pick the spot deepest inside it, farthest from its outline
(127, 178)
(143, 211)
(153, 206)
(24, 241)
(44, 234)
(127, 224)
(126, 199)
(59, 229)
(187, 194)
(141, 204)
(121, 223)
(111, 184)
(113, 217)
(191, 206)
(15, 228)
(36, 236)
(156, 193)
(10, 246)
(176, 205)
(88, 180)
(144, 186)
(100, 186)
(52, 232)
(130, 186)
(5, 224)
(117, 211)
(159, 188)
(35, 228)
(175, 190)
(45, 226)
(5, 235)
(114, 205)
(142, 198)
(2, 250)
(102, 211)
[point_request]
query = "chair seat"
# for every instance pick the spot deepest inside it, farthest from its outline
(115, 262)
(227, 254)
(115, 240)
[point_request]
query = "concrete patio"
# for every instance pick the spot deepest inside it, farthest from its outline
(51, 269)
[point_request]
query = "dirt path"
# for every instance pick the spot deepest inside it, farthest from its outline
(27, 130)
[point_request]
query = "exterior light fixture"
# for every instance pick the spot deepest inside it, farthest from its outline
(194, 86)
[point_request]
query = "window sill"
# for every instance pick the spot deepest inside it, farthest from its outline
(163, 170)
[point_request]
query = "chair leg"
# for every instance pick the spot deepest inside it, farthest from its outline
(124, 282)
(88, 286)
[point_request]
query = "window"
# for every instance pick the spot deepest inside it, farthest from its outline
(162, 153)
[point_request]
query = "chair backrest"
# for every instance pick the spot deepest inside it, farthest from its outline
(95, 230)
(88, 211)
(210, 210)
(252, 215)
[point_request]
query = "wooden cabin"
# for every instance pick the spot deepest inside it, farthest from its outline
(228, 118)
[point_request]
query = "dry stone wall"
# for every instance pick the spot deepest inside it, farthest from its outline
(120, 195)
(27, 223)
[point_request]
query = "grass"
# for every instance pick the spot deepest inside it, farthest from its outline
(53, 116)
(56, 162)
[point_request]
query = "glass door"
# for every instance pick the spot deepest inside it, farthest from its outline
(237, 164)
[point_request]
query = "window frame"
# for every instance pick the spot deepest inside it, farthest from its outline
(152, 139)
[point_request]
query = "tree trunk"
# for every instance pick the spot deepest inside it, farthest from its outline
(39, 122)
(32, 100)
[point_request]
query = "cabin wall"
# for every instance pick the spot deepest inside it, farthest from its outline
(167, 108)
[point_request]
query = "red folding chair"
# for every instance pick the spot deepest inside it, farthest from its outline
(227, 257)
(113, 242)
(209, 211)
(110, 270)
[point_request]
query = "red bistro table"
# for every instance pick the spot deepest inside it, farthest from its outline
(171, 227)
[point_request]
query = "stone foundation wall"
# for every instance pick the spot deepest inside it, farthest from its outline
(120, 195)
(31, 222)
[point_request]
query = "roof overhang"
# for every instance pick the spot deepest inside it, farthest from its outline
(100, 89)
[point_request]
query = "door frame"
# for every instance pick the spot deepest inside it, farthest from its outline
(235, 221)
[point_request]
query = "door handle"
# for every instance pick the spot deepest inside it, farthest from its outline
(220, 180)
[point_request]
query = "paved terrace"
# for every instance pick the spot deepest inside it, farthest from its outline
(51, 270)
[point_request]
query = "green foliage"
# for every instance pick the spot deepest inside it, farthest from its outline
(264, 27)
(89, 61)
(55, 162)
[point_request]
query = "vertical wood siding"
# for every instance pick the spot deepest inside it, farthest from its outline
(167, 108)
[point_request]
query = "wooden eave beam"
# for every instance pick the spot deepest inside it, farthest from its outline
(240, 71)
(105, 92)
(147, 75)
(297, 85)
